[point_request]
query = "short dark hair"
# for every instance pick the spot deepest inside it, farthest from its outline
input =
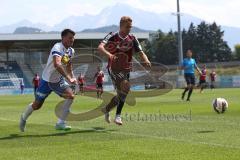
(66, 31)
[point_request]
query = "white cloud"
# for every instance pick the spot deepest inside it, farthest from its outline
(224, 12)
(157, 6)
(52, 15)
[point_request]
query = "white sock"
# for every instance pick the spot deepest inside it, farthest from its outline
(27, 112)
(60, 121)
(65, 108)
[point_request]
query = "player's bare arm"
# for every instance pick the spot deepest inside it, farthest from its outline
(102, 50)
(58, 65)
(95, 77)
(69, 69)
(197, 68)
(144, 59)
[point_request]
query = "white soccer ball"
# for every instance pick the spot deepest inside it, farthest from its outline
(220, 105)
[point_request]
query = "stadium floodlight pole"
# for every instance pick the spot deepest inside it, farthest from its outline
(180, 47)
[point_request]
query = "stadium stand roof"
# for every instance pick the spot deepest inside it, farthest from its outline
(57, 36)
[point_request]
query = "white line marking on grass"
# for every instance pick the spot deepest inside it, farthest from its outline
(177, 140)
(148, 136)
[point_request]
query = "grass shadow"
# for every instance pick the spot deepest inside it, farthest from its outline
(59, 133)
(206, 131)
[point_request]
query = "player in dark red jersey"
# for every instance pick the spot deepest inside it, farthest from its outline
(119, 48)
(35, 82)
(81, 82)
(202, 80)
(213, 76)
(99, 78)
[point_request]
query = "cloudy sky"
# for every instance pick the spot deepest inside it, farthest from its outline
(50, 12)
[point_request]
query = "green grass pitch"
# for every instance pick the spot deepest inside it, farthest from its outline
(202, 135)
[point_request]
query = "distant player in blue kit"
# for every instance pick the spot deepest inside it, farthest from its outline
(57, 76)
(189, 65)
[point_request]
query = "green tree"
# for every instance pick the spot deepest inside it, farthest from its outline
(210, 45)
(189, 38)
(237, 51)
(205, 40)
(166, 49)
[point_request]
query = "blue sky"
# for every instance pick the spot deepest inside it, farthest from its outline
(50, 12)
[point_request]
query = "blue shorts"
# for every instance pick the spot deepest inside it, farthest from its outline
(45, 88)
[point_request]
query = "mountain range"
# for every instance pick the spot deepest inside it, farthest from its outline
(109, 16)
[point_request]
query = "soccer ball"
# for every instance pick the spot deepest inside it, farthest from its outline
(220, 105)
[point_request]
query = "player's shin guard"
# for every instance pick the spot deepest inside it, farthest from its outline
(189, 93)
(112, 104)
(27, 112)
(119, 107)
(101, 92)
(184, 92)
(65, 110)
(121, 102)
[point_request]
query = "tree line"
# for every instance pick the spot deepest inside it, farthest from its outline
(205, 40)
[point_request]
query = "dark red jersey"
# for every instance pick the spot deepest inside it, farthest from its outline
(99, 77)
(203, 75)
(36, 81)
(213, 76)
(81, 79)
(123, 48)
